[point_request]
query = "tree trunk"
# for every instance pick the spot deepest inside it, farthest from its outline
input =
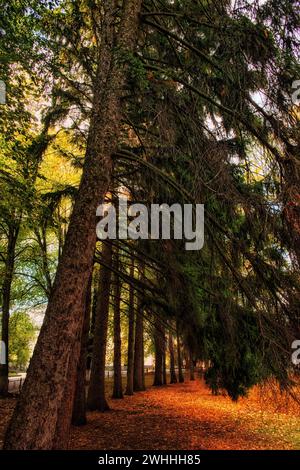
(180, 373)
(130, 356)
(33, 425)
(159, 353)
(96, 394)
(79, 406)
(186, 358)
(139, 374)
(13, 231)
(118, 387)
(61, 435)
(95, 296)
(165, 365)
(192, 368)
(173, 378)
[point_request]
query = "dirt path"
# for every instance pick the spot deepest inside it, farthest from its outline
(187, 416)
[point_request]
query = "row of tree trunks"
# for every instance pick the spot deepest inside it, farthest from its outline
(160, 372)
(96, 395)
(135, 370)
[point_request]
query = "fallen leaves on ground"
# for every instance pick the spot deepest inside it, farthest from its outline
(186, 416)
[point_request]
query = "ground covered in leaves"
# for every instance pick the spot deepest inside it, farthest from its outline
(186, 416)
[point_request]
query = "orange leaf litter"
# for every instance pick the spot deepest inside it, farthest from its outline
(187, 417)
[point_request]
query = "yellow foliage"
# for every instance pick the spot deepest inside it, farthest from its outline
(57, 169)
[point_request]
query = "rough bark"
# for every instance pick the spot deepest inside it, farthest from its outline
(130, 354)
(79, 406)
(95, 296)
(173, 377)
(96, 394)
(34, 421)
(118, 387)
(61, 435)
(13, 231)
(67, 406)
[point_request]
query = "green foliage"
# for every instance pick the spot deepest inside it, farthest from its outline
(233, 345)
(22, 333)
(137, 74)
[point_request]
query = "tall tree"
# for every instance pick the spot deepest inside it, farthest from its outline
(34, 421)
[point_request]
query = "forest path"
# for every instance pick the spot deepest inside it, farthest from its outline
(186, 416)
